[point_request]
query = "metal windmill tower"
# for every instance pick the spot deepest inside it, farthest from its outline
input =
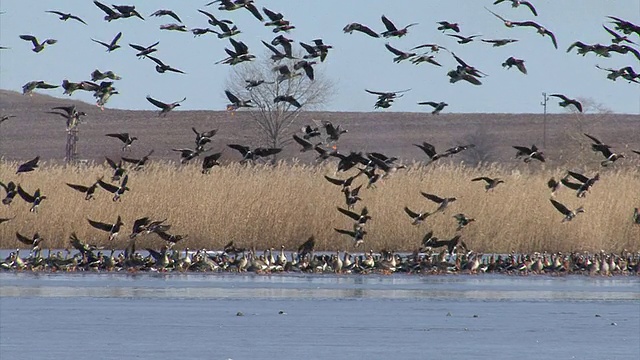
(73, 120)
(71, 148)
(545, 98)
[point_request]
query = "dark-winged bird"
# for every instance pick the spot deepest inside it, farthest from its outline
(34, 199)
(38, 46)
(529, 153)
(164, 107)
(138, 164)
(162, 67)
(66, 16)
(116, 190)
(144, 50)
(112, 229)
(236, 103)
(126, 139)
(437, 106)
(28, 166)
(112, 45)
(568, 213)
(517, 3)
(566, 101)
(164, 12)
(392, 30)
(88, 191)
(350, 28)
(11, 191)
(287, 98)
(518, 63)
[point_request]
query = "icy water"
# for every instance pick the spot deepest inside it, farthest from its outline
(286, 316)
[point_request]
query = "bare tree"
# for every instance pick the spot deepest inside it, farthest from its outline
(484, 152)
(275, 119)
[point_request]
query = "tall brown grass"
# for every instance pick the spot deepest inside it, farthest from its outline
(270, 206)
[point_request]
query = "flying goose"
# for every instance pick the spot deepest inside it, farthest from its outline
(34, 241)
(163, 12)
(138, 163)
(491, 182)
(28, 166)
(333, 132)
(350, 28)
(416, 218)
(517, 3)
(277, 54)
(188, 154)
(126, 139)
(38, 46)
(392, 30)
(437, 106)
(400, 55)
(66, 16)
(117, 191)
(463, 221)
(28, 88)
(584, 185)
(112, 229)
(110, 13)
(89, 191)
(357, 235)
(174, 27)
(445, 25)
(566, 101)
(599, 146)
(209, 162)
(518, 63)
(568, 214)
(310, 132)
(11, 191)
(34, 199)
(288, 99)
(113, 45)
(165, 107)
(499, 42)
(529, 153)
(249, 154)
(307, 66)
(625, 26)
(162, 67)
(351, 196)
(360, 219)
(255, 83)
(275, 19)
(118, 170)
(306, 145)
(240, 53)
(464, 39)
(97, 75)
(143, 51)
(236, 103)
(442, 202)
(541, 30)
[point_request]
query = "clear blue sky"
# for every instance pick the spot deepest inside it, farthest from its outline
(356, 62)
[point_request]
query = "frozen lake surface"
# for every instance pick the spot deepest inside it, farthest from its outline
(292, 316)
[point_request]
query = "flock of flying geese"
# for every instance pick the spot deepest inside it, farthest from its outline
(374, 166)
(281, 47)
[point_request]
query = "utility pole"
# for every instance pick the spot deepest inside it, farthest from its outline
(544, 120)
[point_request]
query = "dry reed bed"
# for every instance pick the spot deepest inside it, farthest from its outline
(269, 206)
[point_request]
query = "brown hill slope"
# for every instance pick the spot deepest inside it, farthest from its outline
(34, 132)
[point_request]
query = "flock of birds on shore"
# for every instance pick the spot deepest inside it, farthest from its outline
(456, 255)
